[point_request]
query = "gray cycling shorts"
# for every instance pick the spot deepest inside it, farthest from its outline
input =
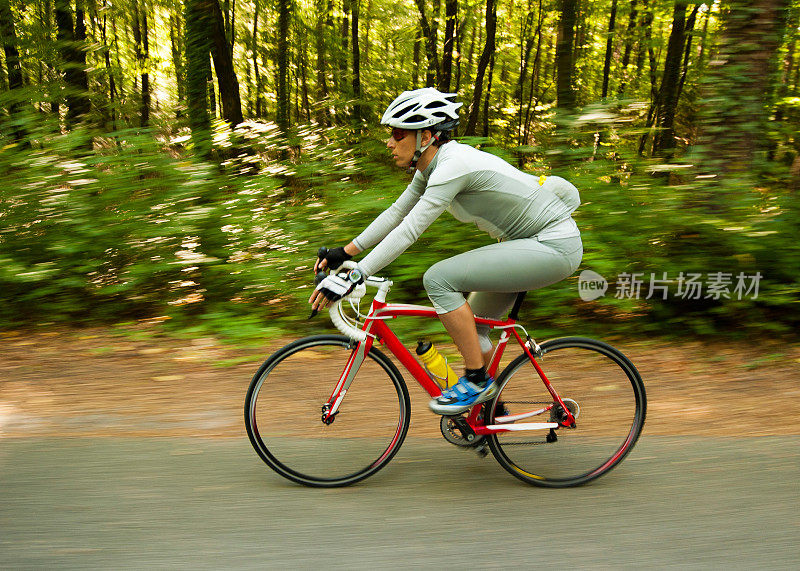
(494, 274)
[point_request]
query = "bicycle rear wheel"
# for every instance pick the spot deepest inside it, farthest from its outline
(598, 384)
(283, 413)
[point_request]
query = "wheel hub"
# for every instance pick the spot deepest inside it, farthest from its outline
(557, 414)
(328, 418)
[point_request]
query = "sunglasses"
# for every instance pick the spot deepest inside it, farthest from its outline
(399, 134)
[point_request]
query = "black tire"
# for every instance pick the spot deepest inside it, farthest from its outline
(612, 404)
(283, 413)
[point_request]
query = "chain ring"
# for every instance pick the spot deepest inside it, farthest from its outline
(453, 435)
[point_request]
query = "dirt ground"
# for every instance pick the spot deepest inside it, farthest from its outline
(103, 382)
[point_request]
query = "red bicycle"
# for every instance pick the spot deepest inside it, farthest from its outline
(331, 410)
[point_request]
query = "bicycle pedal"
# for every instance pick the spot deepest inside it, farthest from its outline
(481, 450)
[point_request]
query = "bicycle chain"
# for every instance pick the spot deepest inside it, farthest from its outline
(459, 441)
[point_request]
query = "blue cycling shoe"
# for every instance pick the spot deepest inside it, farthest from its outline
(462, 396)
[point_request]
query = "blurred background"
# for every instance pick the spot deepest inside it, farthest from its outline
(183, 161)
(169, 169)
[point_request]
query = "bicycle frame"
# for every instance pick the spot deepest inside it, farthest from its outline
(376, 328)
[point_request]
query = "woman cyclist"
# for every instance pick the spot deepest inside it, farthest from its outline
(539, 242)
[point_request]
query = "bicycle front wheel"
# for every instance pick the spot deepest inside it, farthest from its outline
(601, 388)
(283, 413)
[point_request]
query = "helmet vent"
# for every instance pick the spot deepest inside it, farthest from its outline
(405, 110)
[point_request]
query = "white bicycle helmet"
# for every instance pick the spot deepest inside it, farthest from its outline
(421, 109)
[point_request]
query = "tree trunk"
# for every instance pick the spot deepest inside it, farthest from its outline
(488, 50)
(417, 43)
(303, 65)
(488, 97)
(459, 38)
(82, 78)
(791, 66)
(197, 43)
(344, 66)
(9, 36)
(356, 80)
(112, 88)
(366, 44)
(741, 85)
(52, 73)
(429, 33)
(121, 84)
(703, 39)
(141, 49)
(648, 40)
(145, 73)
(73, 59)
(646, 23)
(223, 65)
(322, 81)
(451, 14)
(664, 139)
(535, 75)
(630, 37)
(565, 92)
(645, 43)
(282, 114)
(175, 35)
(477, 31)
(526, 46)
(580, 33)
(690, 22)
(259, 110)
(609, 48)
(4, 77)
(232, 29)
(787, 66)
(212, 90)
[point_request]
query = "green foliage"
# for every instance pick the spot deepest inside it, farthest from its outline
(106, 223)
(138, 229)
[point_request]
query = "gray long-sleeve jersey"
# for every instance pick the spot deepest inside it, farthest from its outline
(474, 186)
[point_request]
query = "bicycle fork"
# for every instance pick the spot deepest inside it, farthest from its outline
(331, 408)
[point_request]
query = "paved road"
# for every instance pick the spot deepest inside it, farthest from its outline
(136, 503)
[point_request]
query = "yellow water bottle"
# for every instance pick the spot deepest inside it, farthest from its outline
(436, 365)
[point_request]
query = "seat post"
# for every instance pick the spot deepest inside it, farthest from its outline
(517, 304)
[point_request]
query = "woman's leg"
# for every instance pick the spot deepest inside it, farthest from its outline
(507, 267)
(460, 324)
(498, 272)
(493, 305)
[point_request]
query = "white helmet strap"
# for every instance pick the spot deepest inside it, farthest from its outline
(421, 149)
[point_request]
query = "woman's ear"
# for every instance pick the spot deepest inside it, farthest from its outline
(427, 135)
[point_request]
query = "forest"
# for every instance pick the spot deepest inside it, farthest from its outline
(181, 162)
